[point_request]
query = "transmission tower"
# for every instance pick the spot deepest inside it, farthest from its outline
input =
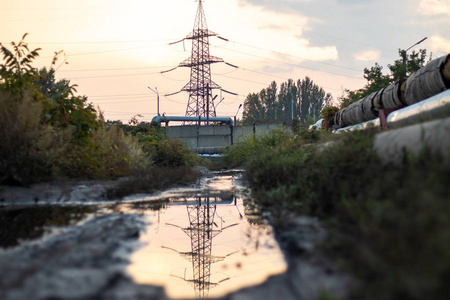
(200, 85)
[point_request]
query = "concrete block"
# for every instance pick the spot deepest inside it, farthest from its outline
(206, 130)
(188, 131)
(173, 131)
(191, 143)
(214, 141)
(222, 130)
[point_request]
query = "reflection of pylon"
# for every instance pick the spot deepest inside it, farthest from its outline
(200, 230)
(201, 219)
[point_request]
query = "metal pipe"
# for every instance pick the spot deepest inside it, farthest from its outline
(167, 119)
(437, 106)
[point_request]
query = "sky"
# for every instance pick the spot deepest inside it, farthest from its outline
(117, 49)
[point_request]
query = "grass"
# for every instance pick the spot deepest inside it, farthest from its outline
(388, 226)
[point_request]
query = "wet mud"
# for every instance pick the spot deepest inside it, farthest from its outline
(84, 251)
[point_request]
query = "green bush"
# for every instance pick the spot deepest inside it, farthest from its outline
(49, 132)
(109, 154)
(239, 154)
(173, 153)
(158, 149)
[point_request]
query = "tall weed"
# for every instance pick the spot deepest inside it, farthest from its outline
(28, 149)
(109, 154)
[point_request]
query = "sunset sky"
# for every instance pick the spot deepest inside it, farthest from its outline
(116, 49)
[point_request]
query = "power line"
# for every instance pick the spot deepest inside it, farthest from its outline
(285, 54)
(112, 69)
(108, 51)
(124, 95)
(349, 41)
(100, 42)
(105, 101)
(267, 74)
(109, 76)
(57, 8)
(222, 47)
(115, 50)
(292, 64)
(123, 102)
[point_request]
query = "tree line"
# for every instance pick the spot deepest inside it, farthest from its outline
(302, 100)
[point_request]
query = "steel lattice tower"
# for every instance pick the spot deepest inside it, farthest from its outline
(200, 85)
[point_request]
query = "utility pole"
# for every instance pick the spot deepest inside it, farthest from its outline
(240, 105)
(404, 52)
(157, 98)
(207, 104)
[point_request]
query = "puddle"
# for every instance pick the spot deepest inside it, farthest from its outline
(18, 225)
(204, 244)
(201, 242)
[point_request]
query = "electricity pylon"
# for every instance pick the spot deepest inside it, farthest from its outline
(200, 85)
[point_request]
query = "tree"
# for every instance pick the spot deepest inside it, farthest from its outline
(17, 72)
(253, 109)
(63, 108)
(304, 100)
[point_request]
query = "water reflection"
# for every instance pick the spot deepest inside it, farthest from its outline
(31, 223)
(202, 245)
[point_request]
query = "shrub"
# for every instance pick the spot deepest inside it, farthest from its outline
(328, 114)
(240, 153)
(158, 149)
(47, 131)
(173, 153)
(28, 149)
(387, 225)
(109, 154)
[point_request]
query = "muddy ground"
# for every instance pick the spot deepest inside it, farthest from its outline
(88, 260)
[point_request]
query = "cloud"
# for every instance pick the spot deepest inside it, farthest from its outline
(440, 44)
(434, 7)
(369, 55)
(274, 32)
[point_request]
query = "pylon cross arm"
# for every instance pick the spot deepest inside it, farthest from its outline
(204, 60)
(200, 33)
